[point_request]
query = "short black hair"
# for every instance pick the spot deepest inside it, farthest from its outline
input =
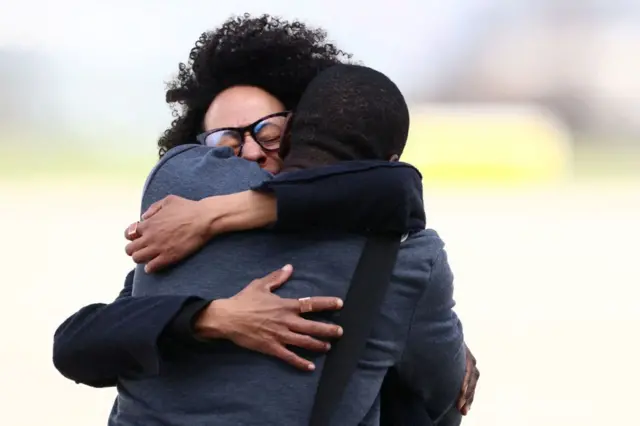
(348, 112)
(278, 56)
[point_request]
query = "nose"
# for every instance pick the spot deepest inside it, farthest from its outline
(253, 152)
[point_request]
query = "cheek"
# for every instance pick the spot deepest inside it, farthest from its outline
(273, 163)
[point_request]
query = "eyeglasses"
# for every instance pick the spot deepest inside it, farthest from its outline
(267, 132)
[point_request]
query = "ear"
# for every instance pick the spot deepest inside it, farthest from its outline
(394, 157)
(285, 138)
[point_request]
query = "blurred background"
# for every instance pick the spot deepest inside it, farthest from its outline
(525, 125)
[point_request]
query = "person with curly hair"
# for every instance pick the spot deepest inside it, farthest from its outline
(258, 67)
(276, 56)
(350, 113)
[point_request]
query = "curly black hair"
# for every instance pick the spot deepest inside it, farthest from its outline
(278, 56)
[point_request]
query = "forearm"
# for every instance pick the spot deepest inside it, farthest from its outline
(353, 196)
(361, 196)
(241, 211)
(201, 320)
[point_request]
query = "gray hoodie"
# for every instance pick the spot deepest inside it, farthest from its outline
(417, 332)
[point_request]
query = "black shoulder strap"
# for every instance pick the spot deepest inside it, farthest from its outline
(361, 307)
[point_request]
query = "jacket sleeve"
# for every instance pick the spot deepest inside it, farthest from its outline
(353, 196)
(103, 341)
(433, 361)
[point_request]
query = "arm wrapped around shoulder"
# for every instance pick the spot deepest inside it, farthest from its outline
(358, 196)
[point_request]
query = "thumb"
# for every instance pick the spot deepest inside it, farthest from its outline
(153, 209)
(275, 279)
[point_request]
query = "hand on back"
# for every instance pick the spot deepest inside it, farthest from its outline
(259, 320)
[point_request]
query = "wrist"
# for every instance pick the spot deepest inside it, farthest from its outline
(211, 321)
(262, 209)
(214, 209)
(240, 211)
(181, 326)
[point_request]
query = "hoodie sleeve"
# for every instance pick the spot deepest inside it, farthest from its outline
(358, 196)
(103, 341)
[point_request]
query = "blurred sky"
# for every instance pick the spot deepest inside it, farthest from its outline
(132, 47)
(81, 64)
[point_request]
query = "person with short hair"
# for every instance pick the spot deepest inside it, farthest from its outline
(348, 114)
(134, 335)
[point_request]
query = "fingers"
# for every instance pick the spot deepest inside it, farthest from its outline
(135, 230)
(289, 357)
(131, 233)
(135, 246)
(460, 403)
(467, 405)
(305, 342)
(316, 304)
(471, 390)
(274, 279)
(144, 255)
(462, 396)
(159, 263)
(140, 252)
(315, 328)
(153, 209)
(468, 391)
